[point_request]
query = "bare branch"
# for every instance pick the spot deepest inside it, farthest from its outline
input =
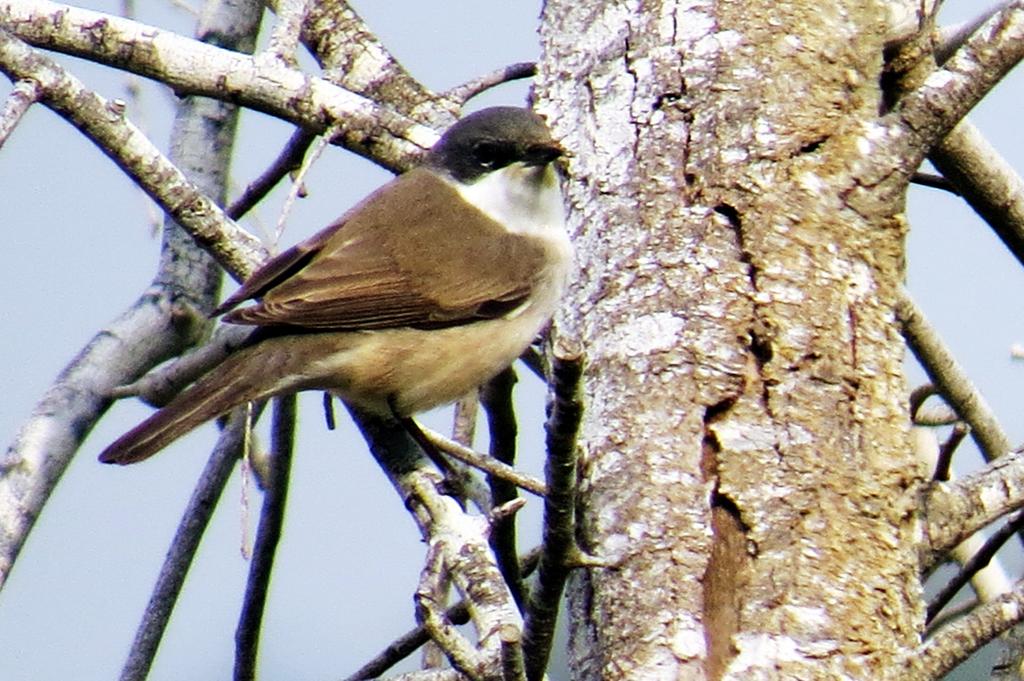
(559, 506)
(955, 642)
(288, 160)
(468, 90)
(945, 457)
(977, 562)
(987, 182)
(956, 510)
(431, 675)
(430, 614)
(496, 399)
(459, 537)
(461, 541)
(236, 250)
(297, 190)
(951, 379)
(261, 83)
(267, 537)
(407, 643)
(159, 325)
(183, 548)
(354, 58)
(485, 463)
(157, 387)
(934, 181)
(927, 114)
(951, 38)
(512, 666)
(26, 92)
(284, 39)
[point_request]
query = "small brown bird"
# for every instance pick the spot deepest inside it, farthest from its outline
(423, 291)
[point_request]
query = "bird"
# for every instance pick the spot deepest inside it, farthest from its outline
(423, 291)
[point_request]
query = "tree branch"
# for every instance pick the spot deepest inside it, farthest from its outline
(973, 565)
(234, 248)
(463, 93)
(26, 92)
(927, 114)
(159, 325)
(191, 67)
(459, 538)
(267, 537)
(955, 642)
(956, 510)
(284, 38)
(406, 644)
(987, 182)
(496, 399)
(288, 160)
(951, 379)
(485, 463)
(566, 413)
(183, 547)
(355, 59)
(951, 38)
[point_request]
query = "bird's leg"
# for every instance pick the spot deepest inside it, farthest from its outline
(414, 431)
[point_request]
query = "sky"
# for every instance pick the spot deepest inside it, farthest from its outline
(80, 246)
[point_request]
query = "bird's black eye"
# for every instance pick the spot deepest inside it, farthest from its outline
(493, 155)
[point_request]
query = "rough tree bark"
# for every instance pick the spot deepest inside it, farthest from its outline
(746, 465)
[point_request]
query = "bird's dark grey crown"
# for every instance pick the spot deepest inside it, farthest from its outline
(491, 139)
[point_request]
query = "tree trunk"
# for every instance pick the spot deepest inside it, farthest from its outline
(746, 468)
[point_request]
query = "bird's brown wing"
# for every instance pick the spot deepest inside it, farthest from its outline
(376, 266)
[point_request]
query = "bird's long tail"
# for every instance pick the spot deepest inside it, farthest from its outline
(226, 386)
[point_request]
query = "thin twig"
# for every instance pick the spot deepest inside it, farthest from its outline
(25, 93)
(946, 451)
(950, 614)
(559, 504)
(288, 160)
(267, 537)
(472, 88)
(405, 645)
(935, 182)
(485, 463)
(496, 399)
(297, 183)
(183, 548)
(978, 562)
(918, 396)
(159, 386)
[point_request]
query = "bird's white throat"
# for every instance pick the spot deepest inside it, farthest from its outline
(524, 199)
